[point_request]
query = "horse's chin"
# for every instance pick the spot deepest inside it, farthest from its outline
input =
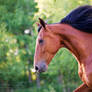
(41, 71)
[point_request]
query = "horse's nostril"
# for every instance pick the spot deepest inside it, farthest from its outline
(36, 68)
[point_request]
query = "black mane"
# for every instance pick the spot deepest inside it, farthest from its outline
(80, 18)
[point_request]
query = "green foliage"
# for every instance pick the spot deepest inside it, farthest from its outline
(8, 47)
(16, 45)
(55, 10)
(17, 14)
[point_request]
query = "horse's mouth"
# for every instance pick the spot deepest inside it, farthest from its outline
(40, 71)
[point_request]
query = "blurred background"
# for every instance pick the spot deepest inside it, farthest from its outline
(18, 32)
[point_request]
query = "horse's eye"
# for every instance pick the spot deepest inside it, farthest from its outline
(41, 41)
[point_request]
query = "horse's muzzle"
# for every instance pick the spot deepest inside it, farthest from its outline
(40, 67)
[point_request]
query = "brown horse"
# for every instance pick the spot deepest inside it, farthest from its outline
(73, 33)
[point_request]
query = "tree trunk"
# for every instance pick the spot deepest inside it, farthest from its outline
(60, 81)
(7, 87)
(38, 80)
(29, 73)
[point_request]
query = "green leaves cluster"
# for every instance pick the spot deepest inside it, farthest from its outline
(55, 10)
(16, 39)
(17, 14)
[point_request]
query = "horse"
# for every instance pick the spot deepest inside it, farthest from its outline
(73, 32)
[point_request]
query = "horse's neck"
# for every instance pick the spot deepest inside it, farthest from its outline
(79, 43)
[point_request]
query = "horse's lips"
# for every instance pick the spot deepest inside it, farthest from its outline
(40, 71)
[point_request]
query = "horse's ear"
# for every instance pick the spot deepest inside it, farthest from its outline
(43, 24)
